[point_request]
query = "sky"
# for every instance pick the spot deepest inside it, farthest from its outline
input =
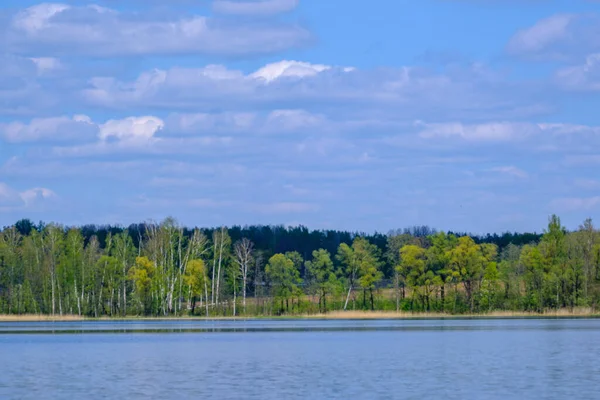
(464, 115)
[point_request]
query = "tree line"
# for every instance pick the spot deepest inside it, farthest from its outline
(164, 269)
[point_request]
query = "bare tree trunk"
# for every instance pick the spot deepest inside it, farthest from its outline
(112, 297)
(244, 289)
(397, 290)
(124, 290)
(347, 297)
(221, 245)
(206, 296)
(60, 310)
(212, 289)
(52, 281)
(78, 301)
(234, 298)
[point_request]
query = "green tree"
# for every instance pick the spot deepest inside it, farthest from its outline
(322, 275)
(350, 265)
(438, 261)
(367, 258)
(284, 278)
(469, 262)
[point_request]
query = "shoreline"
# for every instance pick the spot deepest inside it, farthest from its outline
(334, 315)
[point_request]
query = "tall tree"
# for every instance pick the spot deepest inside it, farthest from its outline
(367, 257)
(347, 258)
(284, 278)
(322, 275)
(244, 257)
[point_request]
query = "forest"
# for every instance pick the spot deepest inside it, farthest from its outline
(165, 269)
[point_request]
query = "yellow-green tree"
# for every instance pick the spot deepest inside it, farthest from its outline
(413, 265)
(469, 260)
(196, 280)
(141, 274)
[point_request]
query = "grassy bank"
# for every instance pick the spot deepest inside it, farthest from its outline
(335, 315)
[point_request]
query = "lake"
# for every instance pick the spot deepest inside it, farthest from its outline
(307, 359)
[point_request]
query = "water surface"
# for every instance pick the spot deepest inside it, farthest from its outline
(410, 359)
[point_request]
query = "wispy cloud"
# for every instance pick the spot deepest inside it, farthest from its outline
(406, 92)
(559, 37)
(50, 29)
(59, 129)
(584, 77)
(512, 171)
(254, 7)
(576, 203)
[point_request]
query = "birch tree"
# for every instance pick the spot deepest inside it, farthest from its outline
(244, 257)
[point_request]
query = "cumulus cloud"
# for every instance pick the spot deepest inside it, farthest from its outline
(559, 37)
(32, 196)
(11, 199)
(254, 7)
(296, 69)
(131, 129)
(49, 29)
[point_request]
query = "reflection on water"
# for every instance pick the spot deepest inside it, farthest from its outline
(242, 326)
(414, 359)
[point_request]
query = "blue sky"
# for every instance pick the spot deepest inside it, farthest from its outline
(469, 115)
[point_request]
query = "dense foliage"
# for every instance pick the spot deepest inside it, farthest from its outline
(165, 269)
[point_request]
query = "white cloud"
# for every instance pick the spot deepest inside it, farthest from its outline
(254, 7)
(403, 92)
(21, 92)
(294, 120)
(131, 129)
(202, 123)
(506, 131)
(47, 65)
(34, 195)
(50, 29)
(561, 36)
(494, 131)
(584, 77)
(538, 37)
(11, 199)
(38, 17)
(78, 128)
(285, 68)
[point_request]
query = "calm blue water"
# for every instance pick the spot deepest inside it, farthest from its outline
(423, 359)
